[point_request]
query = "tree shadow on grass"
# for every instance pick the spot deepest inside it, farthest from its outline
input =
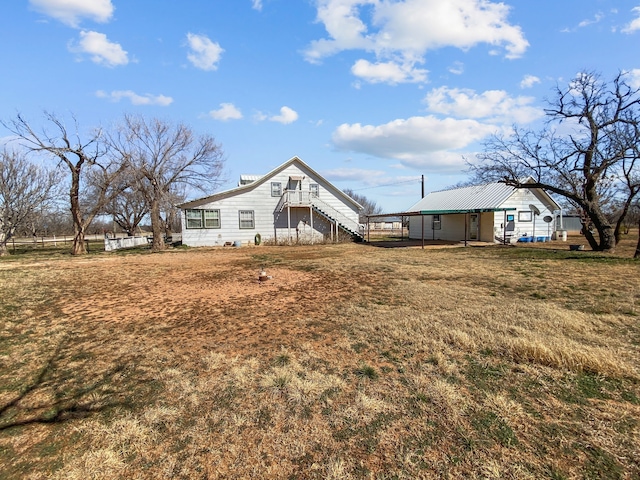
(70, 386)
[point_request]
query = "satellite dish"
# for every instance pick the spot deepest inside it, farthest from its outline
(547, 218)
(534, 209)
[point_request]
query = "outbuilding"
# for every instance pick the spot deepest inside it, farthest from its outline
(493, 212)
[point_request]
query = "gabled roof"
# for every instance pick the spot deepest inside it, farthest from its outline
(260, 179)
(478, 198)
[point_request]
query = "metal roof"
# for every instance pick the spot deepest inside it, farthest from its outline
(246, 179)
(489, 197)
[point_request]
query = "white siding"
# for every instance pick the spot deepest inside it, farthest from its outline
(520, 200)
(268, 222)
(491, 224)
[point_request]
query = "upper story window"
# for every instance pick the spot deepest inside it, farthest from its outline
(276, 189)
(314, 189)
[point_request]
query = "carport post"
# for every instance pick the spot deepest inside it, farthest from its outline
(465, 228)
(422, 217)
(504, 229)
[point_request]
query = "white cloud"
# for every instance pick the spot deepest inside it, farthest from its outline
(227, 111)
(443, 161)
(70, 12)
(403, 32)
(287, 115)
(135, 99)
(529, 81)
(457, 68)
(257, 5)
(414, 141)
(633, 25)
(388, 72)
(591, 21)
(634, 77)
(100, 49)
(357, 174)
(204, 53)
(495, 106)
(260, 116)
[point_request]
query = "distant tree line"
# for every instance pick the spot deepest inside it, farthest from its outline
(139, 169)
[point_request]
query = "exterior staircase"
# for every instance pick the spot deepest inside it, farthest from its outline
(298, 198)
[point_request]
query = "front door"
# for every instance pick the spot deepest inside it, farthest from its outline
(295, 190)
(473, 226)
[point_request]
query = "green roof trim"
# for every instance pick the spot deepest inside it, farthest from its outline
(467, 210)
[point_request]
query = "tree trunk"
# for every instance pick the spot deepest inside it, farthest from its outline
(621, 218)
(637, 254)
(79, 247)
(607, 239)
(157, 227)
(4, 238)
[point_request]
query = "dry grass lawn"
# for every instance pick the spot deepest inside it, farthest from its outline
(351, 362)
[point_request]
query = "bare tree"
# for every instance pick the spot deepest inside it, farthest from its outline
(84, 160)
(161, 156)
(171, 218)
(637, 215)
(128, 209)
(370, 207)
(586, 153)
(25, 188)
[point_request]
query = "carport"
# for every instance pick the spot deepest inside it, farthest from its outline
(422, 213)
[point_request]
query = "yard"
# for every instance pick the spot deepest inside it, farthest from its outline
(351, 362)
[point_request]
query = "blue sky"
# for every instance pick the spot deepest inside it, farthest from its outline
(370, 93)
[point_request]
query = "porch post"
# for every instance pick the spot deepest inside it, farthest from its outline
(422, 218)
(289, 222)
(311, 219)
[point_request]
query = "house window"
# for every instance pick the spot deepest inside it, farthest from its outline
(211, 218)
(194, 218)
(524, 216)
(276, 189)
(314, 190)
(437, 224)
(203, 218)
(246, 219)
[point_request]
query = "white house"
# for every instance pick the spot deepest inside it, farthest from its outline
(493, 212)
(292, 203)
